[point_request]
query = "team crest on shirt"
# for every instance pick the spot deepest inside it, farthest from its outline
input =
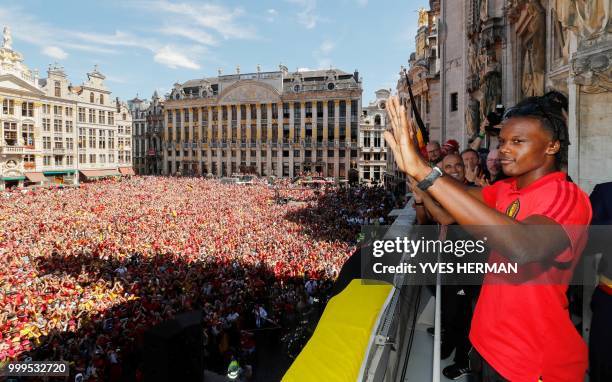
(513, 209)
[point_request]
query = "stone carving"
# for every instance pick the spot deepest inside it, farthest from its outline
(491, 93)
(593, 72)
(531, 29)
(560, 39)
(484, 10)
(423, 17)
(7, 38)
(472, 120)
(249, 92)
(589, 19)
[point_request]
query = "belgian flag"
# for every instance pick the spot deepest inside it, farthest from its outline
(422, 134)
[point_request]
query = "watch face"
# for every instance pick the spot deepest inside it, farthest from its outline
(331, 86)
(296, 88)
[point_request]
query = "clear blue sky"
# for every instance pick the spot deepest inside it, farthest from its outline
(151, 44)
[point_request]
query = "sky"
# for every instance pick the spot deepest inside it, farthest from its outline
(146, 45)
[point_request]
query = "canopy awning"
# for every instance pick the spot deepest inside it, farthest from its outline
(35, 177)
(126, 171)
(13, 177)
(93, 174)
(59, 172)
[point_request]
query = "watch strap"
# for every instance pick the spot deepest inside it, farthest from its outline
(430, 179)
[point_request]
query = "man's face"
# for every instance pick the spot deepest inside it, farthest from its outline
(493, 164)
(524, 146)
(452, 165)
(433, 152)
(470, 159)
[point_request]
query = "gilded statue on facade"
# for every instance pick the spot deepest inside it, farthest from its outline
(423, 18)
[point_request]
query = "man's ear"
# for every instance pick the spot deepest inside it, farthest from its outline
(553, 147)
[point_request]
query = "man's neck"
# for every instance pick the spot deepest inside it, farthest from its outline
(528, 178)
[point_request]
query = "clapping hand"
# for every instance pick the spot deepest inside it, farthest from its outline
(401, 140)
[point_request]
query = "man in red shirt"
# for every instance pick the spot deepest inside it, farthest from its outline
(521, 328)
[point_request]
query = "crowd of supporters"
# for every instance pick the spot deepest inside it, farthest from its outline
(87, 271)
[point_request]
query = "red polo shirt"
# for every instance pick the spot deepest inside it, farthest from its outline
(523, 330)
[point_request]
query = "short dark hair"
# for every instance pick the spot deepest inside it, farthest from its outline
(548, 109)
(470, 150)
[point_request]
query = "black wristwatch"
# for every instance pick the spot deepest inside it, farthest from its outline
(430, 179)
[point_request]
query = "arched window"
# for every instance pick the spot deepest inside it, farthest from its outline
(91, 97)
(101, 99)
(377, 120)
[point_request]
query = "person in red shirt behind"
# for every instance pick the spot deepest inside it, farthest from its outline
(521, 329)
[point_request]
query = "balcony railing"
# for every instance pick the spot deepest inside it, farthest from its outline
(12, 149)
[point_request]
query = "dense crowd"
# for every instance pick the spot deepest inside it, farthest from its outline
(85, 272)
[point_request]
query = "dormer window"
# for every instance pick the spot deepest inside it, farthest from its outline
(58, 89)
(101, 99)
(91, 97)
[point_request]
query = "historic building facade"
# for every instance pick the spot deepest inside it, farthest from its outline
(53, 132)
(372, 146)
(277, 123)
(494, 52)
(147, 126)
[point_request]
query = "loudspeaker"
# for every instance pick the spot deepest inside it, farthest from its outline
(174, 349)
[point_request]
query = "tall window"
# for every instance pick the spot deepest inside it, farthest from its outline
(92, 158)
(69, 127)
(70, 143)
(102, 117)
(81, 114)
(27, 109)
(454, 103)
(111, 139)
(27, 133)
(68, 112)
(92, 116)
(82, 140)
(92, 138)
(57, 143)
(102, 139)
(111, 118)
(10, 133)
(8, 107)
(101, 99)
(46, 123)
(58, 89)
(57, 125)
(91, 97)
(47, 143)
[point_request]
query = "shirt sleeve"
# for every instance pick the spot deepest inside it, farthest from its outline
(573, 212)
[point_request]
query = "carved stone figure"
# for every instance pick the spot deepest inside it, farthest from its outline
(533, 42)
(484, 10)
(7, 38)
(491, 93)
(587, 18)
(593, 17)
